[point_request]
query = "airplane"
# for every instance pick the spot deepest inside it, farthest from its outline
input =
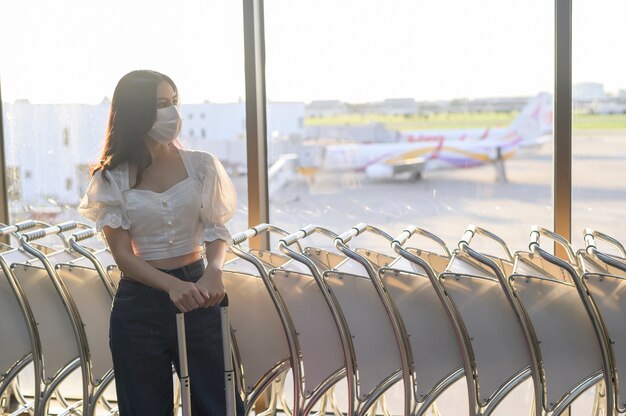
(417, 152)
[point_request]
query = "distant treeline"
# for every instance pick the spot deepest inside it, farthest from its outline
(435, 121)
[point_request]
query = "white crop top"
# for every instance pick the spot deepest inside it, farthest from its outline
(165, 224)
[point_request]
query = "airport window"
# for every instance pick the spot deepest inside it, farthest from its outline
(203, 133)
(367, 153)
(42, 109)
(599, 123)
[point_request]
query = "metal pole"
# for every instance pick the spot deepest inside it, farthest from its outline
(185, 388)
(256, 129)
(562, 184)
(4, 197)
(229, 371)
(562, 191)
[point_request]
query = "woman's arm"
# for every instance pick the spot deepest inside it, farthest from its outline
(211, 280)
(185, 295)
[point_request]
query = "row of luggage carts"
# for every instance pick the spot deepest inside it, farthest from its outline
(55, 302)
(333, 328)
(422, 320)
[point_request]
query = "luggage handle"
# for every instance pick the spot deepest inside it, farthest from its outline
(472, 230)
(284, 246)
(83, 235)
(359, 229)
(341, 243)
(590, 243)
(534, 246)
(352, 232)
(249, 233)
(57, 230)
(535, 235)
(20, 226)
(591, 249)
(257, 230)
(410, 231)
(464, 246)
(285, 243)
(303, 233)
(54, 229)
(229, 372)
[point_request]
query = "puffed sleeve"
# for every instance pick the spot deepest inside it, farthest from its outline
(103, 203)
(219, 199)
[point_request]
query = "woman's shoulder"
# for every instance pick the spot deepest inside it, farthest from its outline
(118, 174)
(200, 159)
(198, 154)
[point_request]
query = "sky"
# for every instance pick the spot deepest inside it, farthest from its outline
(74, 51)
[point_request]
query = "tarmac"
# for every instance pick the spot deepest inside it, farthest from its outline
(446, 202)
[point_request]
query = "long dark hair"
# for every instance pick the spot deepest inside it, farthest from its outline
(132, 115)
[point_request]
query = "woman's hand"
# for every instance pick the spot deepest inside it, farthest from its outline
(211, 286)
(186, 296)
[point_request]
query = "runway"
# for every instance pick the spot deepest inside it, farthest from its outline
(445, 202)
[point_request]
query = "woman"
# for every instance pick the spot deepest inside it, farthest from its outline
(159, 206)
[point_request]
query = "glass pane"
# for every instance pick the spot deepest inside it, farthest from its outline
(599, 131)
(435, 114)
(60, 61)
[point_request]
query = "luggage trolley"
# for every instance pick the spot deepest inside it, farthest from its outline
(562, 327)
(605, 277)
(263, 353)
(52, 336)
(311, 353)
(494, 349)
(90, 280)
(372, 363)
(63, 333)
(413, 286)
(395, 322)
(319, 340)
(16, 323)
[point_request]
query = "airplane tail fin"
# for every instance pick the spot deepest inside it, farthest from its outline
(535, 120)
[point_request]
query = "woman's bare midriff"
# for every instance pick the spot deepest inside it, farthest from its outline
(176, 262)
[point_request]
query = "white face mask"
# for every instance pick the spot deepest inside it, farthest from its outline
(167, 125)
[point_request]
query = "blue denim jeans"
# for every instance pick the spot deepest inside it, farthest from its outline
(144, 345)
